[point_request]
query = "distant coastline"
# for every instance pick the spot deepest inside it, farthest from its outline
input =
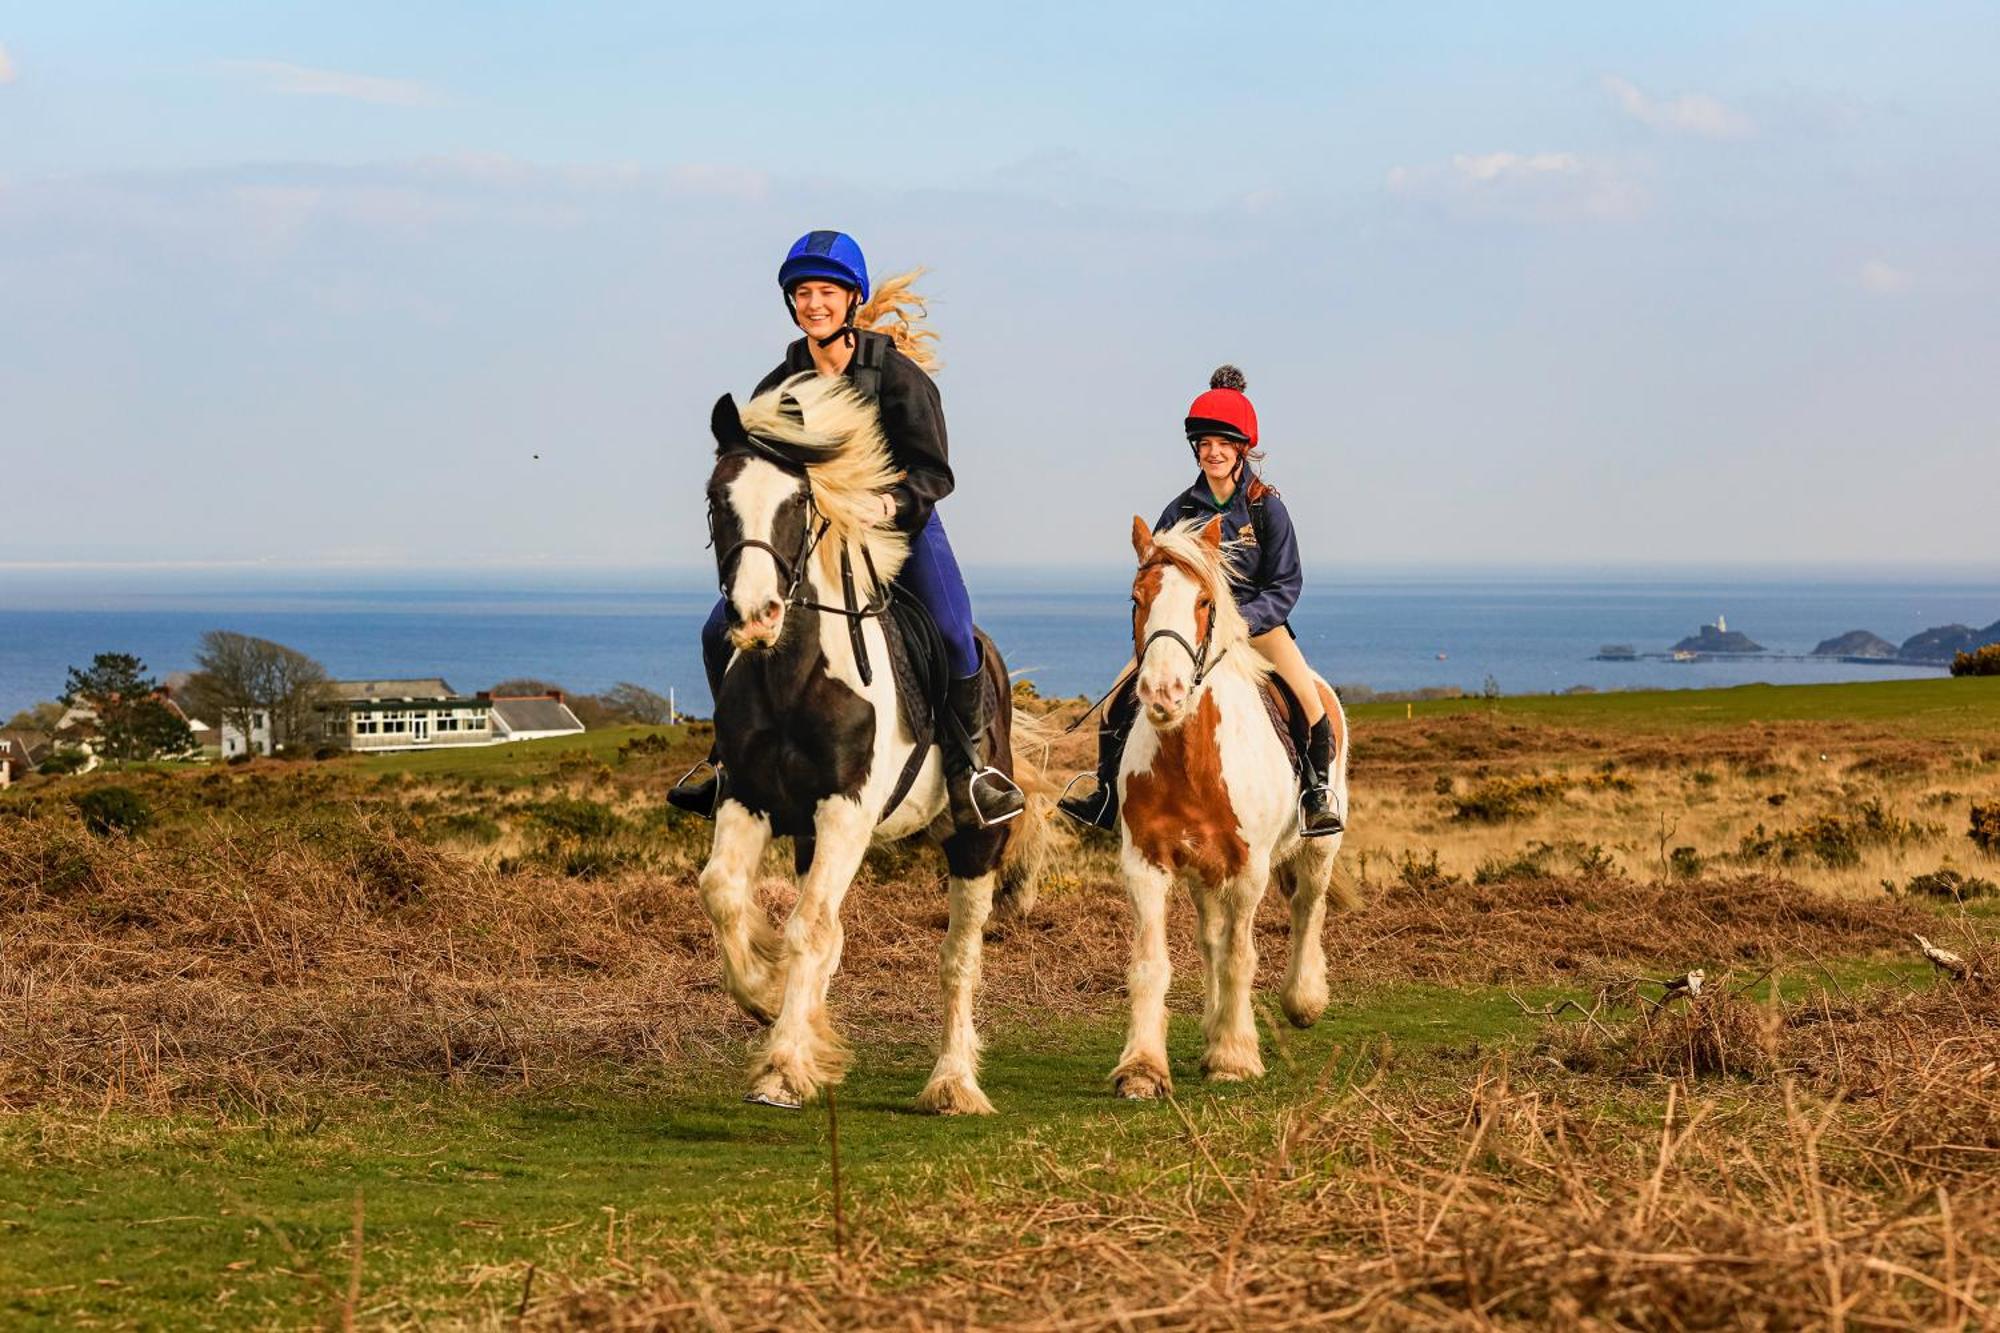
(1934, 647)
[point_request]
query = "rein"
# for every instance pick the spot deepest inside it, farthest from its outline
(795, 576)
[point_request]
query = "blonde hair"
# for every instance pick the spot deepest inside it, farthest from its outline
(844, 455)
(895, 310)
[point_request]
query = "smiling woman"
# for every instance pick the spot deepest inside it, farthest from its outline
(870, 342)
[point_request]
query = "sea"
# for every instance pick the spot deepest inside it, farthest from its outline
(1527, 632)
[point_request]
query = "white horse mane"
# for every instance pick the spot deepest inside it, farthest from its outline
(1183, 548)
(848, 464)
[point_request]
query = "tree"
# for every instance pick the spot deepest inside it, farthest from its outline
(242, 676)
(636, 703)
(132, 722)
(525, 686)
(42, 716)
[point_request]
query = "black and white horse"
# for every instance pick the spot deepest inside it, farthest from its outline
(817, 744)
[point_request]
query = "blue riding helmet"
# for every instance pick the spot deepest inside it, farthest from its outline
(831, 256)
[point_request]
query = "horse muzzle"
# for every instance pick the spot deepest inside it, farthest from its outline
(760, 631)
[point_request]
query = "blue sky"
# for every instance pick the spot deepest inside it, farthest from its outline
(1572, 284)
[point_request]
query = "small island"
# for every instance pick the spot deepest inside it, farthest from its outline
(1718, 638)
(1859, 644)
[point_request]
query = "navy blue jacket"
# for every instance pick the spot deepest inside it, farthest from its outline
(912, 418)
(1265, 575)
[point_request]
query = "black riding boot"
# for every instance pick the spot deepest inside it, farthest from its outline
(1099, 809)
(702, 798)
(1317, 817)
(981, 795)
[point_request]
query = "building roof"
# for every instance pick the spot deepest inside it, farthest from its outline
(25, 747)
(362, 691)
(541, 713)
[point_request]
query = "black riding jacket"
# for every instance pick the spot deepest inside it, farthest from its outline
(1265, 577)
(912, 416)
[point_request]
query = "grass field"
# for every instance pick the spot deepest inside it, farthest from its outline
(399, 1041)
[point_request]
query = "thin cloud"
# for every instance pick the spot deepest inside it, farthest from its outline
(278, 76)
(1883, 278)
(1690, 113)
(6, 66)
(1522, 187)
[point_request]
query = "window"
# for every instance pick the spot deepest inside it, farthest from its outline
(475, 721)
(446, 723)
(395, 722)
(366, 724)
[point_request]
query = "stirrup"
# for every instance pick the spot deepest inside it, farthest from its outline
(1102, 797)
(972, 800)
(721, 786)
(1332, 808)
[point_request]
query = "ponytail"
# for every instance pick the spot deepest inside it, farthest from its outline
(894, 309)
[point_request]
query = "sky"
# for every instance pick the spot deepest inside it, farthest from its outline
(391, 287)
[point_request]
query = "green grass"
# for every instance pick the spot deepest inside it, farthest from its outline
(143, 1220)
(517, 761)
(185, 1219)
(1968, 706)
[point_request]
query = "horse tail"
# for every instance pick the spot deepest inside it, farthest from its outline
(1029, 838)
(895, 309)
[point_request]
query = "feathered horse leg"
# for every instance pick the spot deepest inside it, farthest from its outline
(802, 1052)
(752, 958)
(954, 1084)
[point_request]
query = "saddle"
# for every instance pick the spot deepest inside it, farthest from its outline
(917, 661)
(1288, 719)
(919, 665)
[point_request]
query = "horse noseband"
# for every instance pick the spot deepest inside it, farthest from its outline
(1200, 655)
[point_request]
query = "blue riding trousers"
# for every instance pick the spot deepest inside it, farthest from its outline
(930, 575)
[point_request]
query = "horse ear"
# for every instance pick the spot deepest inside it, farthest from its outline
(1142, 538)
(727, 425)
(790, 409)
(1211, 535)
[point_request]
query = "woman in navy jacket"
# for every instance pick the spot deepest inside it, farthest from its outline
(1221, 429)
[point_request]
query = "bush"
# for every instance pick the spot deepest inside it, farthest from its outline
(1951, 886)
(1985, 831)
(62, 763)
(1423, 876)
(1684, 863)
(1835, 841)
(119, 809)
(1979, 662)
(652, 743)
(1498, 800)
(470, 826)
(576, 819)
(1541, 860)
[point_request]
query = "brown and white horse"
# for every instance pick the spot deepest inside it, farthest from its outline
(1208, 794)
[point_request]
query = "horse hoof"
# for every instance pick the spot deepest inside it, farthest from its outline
(1302, 1015)
(1143, 1086)
(954, 1097)
(774, 1091)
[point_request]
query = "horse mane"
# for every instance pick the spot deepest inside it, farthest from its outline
(1181, 546)
(829, 431)
(893, 309)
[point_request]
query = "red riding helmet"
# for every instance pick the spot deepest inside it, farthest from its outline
(1224, 410)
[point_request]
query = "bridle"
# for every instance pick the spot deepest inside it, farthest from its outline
(794, 574)
(1199, 653)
